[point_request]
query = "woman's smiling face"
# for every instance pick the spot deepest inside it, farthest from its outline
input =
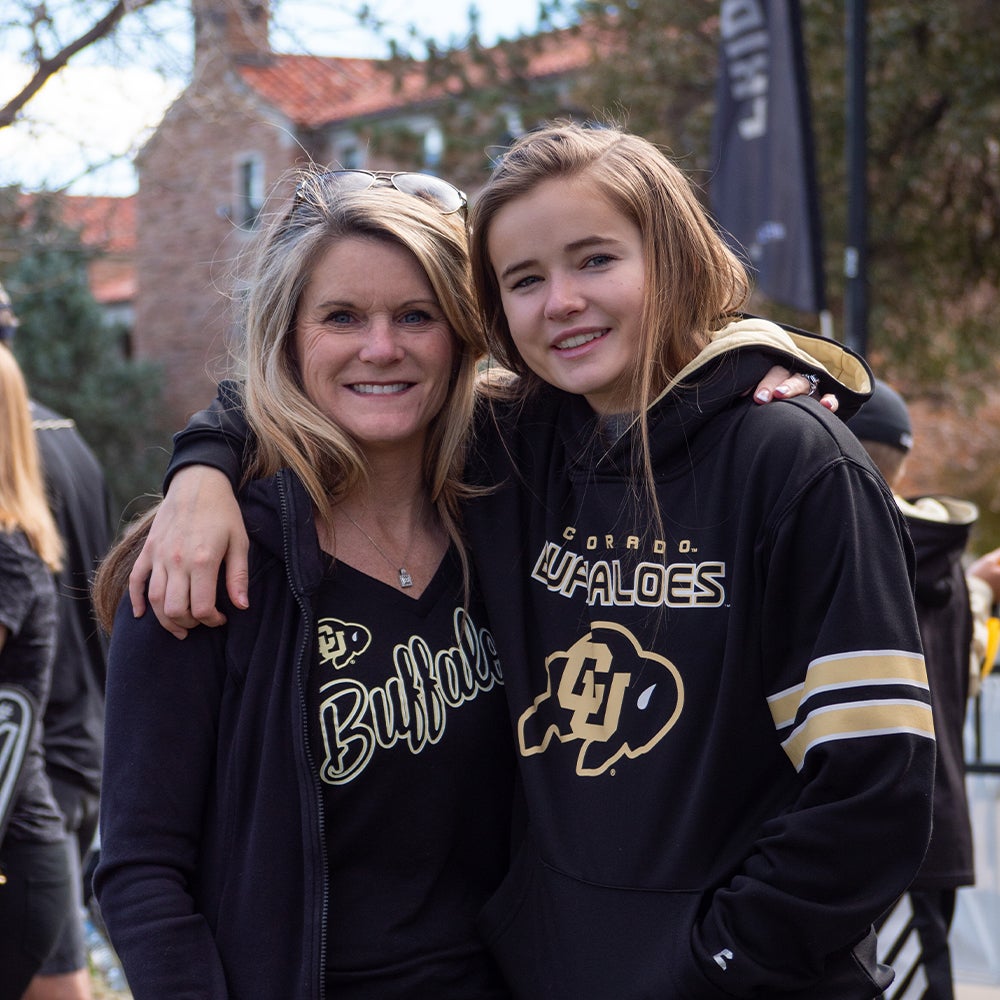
(571, 272)
(372, 343)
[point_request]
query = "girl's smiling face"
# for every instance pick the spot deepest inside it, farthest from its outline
(571, 272)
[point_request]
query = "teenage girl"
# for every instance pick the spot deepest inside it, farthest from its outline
(701, 606)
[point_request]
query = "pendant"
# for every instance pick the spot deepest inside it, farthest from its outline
(405, 580)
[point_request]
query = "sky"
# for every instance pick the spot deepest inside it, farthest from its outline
(103, 104)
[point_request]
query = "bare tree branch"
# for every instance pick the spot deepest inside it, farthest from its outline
(46, 68)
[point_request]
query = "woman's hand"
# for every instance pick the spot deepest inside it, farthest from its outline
(780, 383)
(197, 528)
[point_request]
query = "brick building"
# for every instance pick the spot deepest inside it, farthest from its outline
(248, 115)
(107, 226)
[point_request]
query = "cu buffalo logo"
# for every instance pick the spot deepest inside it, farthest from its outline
(341, 643)
(607, 693)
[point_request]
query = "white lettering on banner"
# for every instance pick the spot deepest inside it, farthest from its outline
(646, 584)
(412, 706)
(745, 41)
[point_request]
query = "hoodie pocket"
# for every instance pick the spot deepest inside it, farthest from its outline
(560, 938)
(557, 937)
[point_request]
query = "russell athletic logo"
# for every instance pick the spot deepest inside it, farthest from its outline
(605, 685)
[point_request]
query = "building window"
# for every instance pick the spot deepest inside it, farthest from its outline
(433, 147)
(515, 125)
(250, 196)
(351, 158)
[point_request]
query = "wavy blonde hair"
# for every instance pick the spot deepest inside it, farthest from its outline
(290, 429)
(23, 502)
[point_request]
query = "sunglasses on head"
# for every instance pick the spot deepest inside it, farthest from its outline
(444, 196)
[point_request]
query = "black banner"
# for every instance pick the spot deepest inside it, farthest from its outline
(763, 189)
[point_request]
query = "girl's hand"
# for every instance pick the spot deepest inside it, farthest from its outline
(197, 527)
(780, 383)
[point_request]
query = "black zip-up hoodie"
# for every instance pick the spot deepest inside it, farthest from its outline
(229, 703)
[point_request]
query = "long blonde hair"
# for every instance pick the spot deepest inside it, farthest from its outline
(290, 429)
(23, 503)
(694, 284)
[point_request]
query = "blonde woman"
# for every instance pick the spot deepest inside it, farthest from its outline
(34, 870)
(314, 800)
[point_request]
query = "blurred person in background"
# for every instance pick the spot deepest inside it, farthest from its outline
(74, 717)
(940, 527)
(35, 878)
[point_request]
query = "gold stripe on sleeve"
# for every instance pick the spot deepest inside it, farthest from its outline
(865, 667)
(868, 718)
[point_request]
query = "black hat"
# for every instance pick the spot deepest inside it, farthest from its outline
(884, 417)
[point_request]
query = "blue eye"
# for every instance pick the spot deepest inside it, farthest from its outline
(531, 279)
(415, 316)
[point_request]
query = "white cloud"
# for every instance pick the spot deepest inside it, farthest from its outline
(333, 29)
(81, 120)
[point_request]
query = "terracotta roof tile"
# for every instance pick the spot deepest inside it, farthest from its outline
(106, 223)
(562, 52)
(112, 291)
(316, 90)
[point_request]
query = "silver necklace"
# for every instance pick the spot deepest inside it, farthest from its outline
(405, 580)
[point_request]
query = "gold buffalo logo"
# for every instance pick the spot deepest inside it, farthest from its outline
(341, 643)
(617, 699)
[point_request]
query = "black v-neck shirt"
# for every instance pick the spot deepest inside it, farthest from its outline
(409, 729)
